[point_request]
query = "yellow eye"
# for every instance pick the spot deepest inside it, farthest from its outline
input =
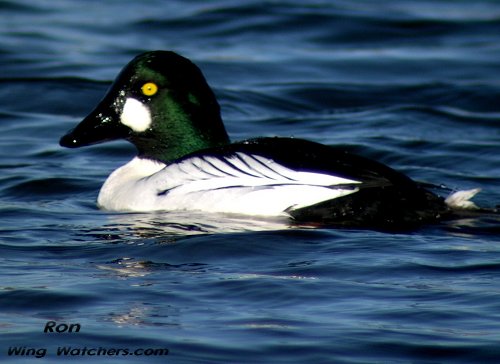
(149, 89)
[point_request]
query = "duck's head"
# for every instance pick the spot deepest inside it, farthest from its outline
(161, 103)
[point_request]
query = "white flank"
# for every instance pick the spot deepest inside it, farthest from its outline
(240, 184)
(135, 115)
(460, 199)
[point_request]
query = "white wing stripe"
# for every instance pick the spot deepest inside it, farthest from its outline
(245, 170)
(244, 163)
(277, 168)
(271, 165)
(243, 183)
(241, 160)
(209, 173)
(218, 165)
(261, 167)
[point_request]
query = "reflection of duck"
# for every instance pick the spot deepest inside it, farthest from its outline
(175, 225)
(162, 104)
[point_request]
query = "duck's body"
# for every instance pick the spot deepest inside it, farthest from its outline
(162, 104)
(273, 177)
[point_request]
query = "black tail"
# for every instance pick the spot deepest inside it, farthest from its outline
(386, 208)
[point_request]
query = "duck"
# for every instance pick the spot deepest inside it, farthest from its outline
(162, 104)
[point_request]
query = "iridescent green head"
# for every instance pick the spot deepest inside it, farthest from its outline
(161, 103)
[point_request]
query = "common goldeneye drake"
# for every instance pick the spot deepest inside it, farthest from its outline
(162, 104)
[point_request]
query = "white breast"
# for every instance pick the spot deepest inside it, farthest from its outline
(241, 184)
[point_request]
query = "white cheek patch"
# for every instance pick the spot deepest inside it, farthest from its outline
(135, 115)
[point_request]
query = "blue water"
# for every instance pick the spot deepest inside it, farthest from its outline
(414, 84)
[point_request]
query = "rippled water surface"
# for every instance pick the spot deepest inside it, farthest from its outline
(414, 84)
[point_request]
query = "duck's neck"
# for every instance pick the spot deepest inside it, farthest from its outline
(184, 133)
